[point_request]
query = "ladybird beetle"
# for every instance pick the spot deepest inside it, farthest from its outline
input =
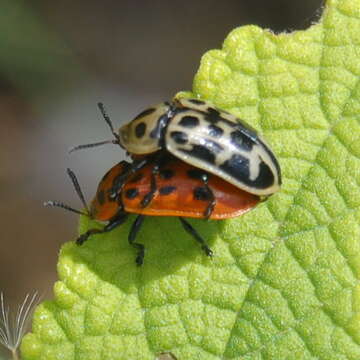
(203, 136)
(182, 190)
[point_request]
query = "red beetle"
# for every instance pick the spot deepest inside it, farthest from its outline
(175, 188)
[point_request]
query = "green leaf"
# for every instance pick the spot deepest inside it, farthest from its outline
(284, 281)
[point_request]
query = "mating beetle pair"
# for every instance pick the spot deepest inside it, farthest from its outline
(190, 159)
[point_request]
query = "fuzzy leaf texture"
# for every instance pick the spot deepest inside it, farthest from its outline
(284, 281)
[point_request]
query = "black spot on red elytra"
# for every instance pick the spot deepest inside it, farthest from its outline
(198, 174)
(166, 173)
(131, 193)
(166, 190)
(202, 193)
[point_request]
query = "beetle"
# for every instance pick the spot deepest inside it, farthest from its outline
(183, 191)
(198, 133)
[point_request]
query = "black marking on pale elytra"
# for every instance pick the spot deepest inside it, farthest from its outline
(274, 160)
(145, 113)
(200, 152)
(140, 130)
(241, 140)
(166, 190)
(197, 102)
(101, 197)
(215, 131)
(202, 193)
(212, 115)
(131, 193)
(166, 173)
(136, 178)
(179, 137)
(198, 174)
(238, 167)
(189, 121)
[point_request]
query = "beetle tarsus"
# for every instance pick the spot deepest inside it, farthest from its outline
(116, 221)
(196, 236)
(132, 236)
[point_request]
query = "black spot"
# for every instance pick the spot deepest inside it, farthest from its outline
(273, 159)
(101, 197)
(166, 173)
(179, 137)
(189, 121)
(215, 131)
(198, 174)
(238, 168)
(212, 115)
(140, 130)
(137, 178)
(197, 102)
(131, 193)
(166, 190)
(200, 152)
(202, 193)
(145, 113)
(241, 140)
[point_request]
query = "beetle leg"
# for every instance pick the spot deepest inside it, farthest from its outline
(116, 221)
(210, 196)
(204, 193)
(196, 236)
(115, 191)
(132, 235)
(160, 160)
(153, 187)
(212, 203)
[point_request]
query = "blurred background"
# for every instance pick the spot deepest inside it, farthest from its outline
(57, 60)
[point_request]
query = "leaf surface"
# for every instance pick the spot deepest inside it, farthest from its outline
(284, 281)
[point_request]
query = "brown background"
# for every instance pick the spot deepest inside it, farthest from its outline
(57, 60)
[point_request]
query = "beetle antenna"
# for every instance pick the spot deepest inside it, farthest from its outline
(77, 187)
(86, 146)
(108, 121)
(64, 206)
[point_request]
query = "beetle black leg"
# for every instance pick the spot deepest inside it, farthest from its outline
(212, 203)
(114, 192)
(153, 187)
(116, 221)
(160, 160)
(132, 235)
(196, 236)
(204, 193)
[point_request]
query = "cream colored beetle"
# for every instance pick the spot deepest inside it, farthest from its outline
(216, 141)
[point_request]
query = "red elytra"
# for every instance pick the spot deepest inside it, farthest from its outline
(171, 189)
(178, 194)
